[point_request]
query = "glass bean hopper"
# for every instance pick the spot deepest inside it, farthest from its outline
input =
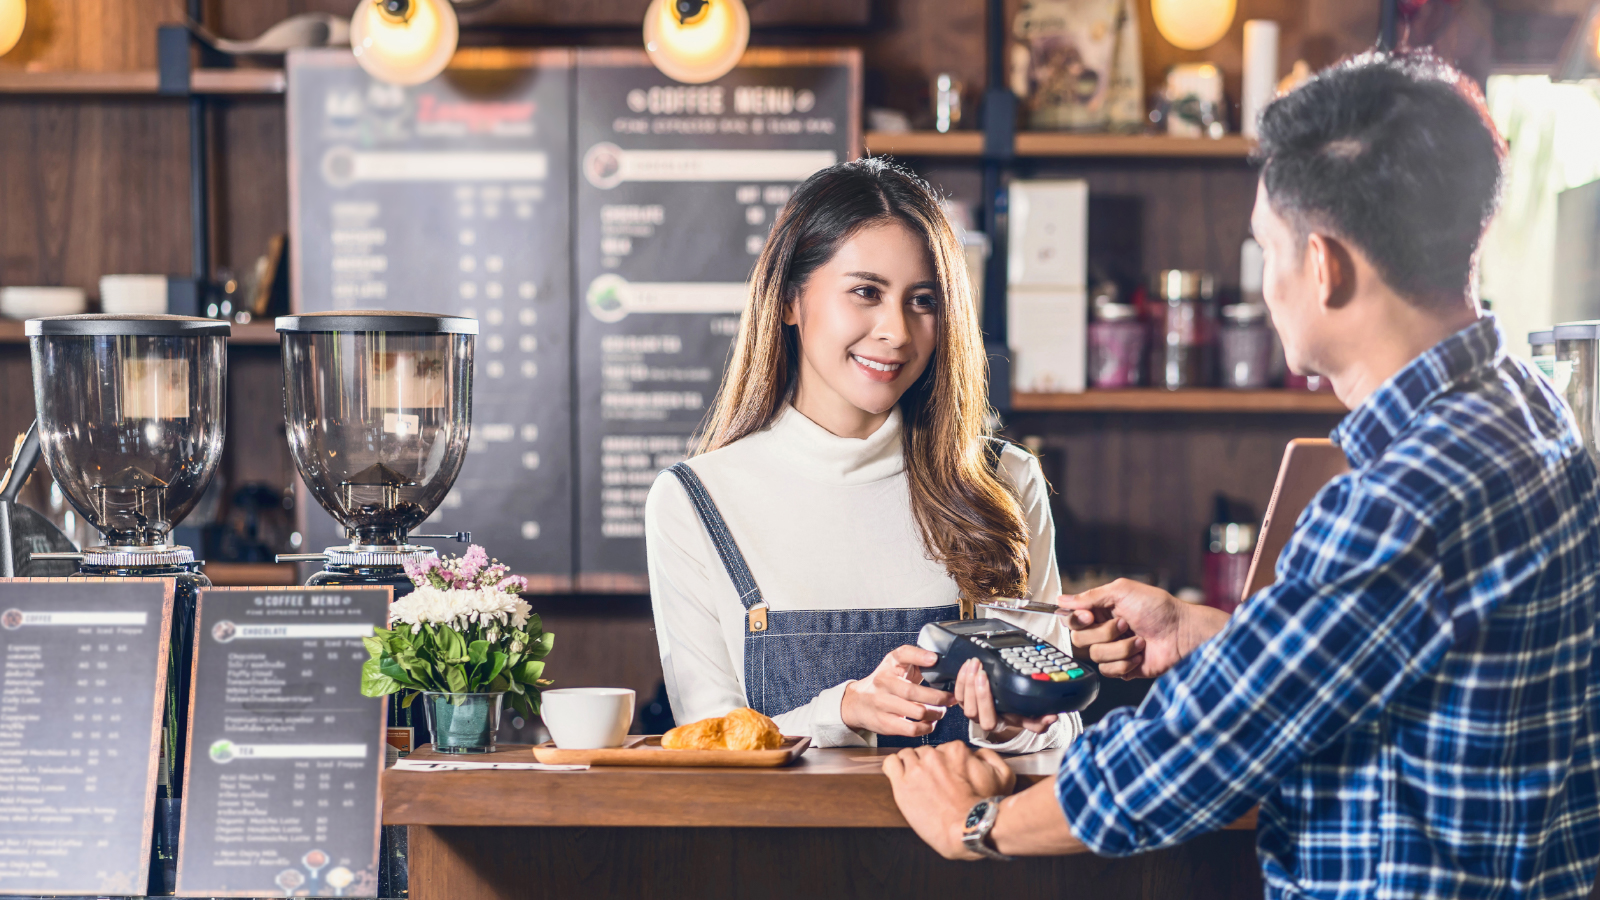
(130, 423)
(379, 408)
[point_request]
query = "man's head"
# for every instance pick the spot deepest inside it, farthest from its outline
(1378, 178)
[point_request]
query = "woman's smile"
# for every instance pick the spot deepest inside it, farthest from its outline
(880, 370)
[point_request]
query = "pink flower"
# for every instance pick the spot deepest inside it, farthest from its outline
(472, 562)
(513, 584)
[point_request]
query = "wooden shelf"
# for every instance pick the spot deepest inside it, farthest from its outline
(203, 81)
(259, 333)
(1058, 144)
(251, 574)
(1199, 400)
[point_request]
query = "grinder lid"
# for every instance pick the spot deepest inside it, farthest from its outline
(392, 321)
(115, 324)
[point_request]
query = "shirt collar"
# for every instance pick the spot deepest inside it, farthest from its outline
(1369, 428)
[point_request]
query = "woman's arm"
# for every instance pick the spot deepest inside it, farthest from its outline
(1022, 470)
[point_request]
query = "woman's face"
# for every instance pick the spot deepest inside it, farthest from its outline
(868, 324)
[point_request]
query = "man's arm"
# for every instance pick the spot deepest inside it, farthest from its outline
(1133, 630)
(936, 788)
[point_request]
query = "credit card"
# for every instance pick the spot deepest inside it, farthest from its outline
(1027, 606)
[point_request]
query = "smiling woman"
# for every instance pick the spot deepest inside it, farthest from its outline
(846, 491)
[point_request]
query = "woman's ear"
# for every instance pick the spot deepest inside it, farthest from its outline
(791, 310)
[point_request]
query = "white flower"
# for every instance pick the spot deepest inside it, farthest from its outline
(458, 609)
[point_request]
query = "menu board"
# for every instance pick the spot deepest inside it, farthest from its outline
(452, 197)
(281, 789)
(85, 663)
(676, 191)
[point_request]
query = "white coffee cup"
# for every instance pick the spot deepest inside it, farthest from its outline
(587, 718)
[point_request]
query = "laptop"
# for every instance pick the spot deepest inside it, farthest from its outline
(1308, 465)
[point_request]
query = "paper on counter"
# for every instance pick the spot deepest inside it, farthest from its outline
(439, 765)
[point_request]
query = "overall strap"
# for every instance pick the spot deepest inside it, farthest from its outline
(732, 559)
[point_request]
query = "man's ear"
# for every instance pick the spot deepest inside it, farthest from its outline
(1332, 270)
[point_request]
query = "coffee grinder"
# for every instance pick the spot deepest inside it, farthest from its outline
(379, 409)
(130, 423)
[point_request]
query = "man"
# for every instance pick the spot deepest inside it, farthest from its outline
(1413, 703)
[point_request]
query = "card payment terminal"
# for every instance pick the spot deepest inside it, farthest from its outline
(1028, 676)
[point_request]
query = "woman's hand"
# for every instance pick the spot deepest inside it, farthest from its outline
(977, 701)
(893, 700)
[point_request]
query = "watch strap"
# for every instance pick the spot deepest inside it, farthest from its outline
(979, 822)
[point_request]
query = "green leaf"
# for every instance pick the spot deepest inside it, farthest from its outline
(540, 648)
(455, 649)
(457, 679)
(391, 669)
(405, 702)
(478, 652)
(497, 663)
(374, 683)
(528, 672)
(374, 646)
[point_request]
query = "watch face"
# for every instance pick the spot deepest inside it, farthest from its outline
(976, 816)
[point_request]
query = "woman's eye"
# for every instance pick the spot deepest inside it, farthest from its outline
(925, 301)
(866, 292)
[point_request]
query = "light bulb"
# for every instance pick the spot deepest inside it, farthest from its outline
(1192, 24)
(13, 13)
(703, 49)
(403, 49)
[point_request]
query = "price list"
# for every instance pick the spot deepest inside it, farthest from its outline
(281, 792)
(84, 665)
(452, 197)
(677, 188)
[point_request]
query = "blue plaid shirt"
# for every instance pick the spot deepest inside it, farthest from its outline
(1414, 702)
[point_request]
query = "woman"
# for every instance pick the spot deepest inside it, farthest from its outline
(845, 492)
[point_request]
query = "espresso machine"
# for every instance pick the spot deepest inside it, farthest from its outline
(130, 423)
(379, 408)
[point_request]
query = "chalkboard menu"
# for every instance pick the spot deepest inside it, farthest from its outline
(452, 197)
(85, 663)
(677, 188)
(281, 787)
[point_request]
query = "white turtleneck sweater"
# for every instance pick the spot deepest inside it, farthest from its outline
(824, 523)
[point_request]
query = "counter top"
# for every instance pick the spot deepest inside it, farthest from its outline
(827, 788)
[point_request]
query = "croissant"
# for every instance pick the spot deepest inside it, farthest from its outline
(742, 729)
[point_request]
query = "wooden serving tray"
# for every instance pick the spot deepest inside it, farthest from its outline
(646, 750)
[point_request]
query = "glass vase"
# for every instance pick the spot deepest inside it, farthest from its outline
(463, 723)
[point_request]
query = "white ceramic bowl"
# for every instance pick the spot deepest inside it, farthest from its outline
(587, 718)
(38, 302)
(133, 294)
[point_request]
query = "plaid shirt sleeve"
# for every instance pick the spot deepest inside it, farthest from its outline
(1356, 615)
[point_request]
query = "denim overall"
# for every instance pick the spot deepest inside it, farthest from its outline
(791, 656)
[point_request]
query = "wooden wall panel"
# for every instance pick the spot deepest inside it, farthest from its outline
(249, 177)
(90, 187)
(91, 35)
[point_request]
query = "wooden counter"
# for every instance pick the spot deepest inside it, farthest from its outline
(826, 827)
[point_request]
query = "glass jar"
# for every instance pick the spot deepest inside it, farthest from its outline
(1245, 341)
(1577, 375)
(1230, 548)
(1116, 346)
(1184, 334)
(1543, 345)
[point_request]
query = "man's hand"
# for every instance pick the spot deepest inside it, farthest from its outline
(893, 700)
(1133, 630)
(977, 701)
(936, 787)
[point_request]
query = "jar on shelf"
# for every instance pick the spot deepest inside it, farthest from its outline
(1116, 346)
(1245, 343)
(1230, 548)
(1184, 332)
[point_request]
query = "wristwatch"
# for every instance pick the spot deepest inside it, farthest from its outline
(975, 831)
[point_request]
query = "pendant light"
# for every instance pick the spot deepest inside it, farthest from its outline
(1192, 24)
(403, 41)
(13, 13)
(695, 41)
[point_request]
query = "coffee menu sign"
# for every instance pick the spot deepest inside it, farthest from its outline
(677, 189)
(452, 197)
(85, 665)
(281, 786)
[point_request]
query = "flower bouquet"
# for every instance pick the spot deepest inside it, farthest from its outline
(464, 639)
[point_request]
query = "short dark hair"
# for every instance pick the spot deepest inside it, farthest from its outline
(1395, 154)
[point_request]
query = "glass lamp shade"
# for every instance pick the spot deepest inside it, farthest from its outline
(703, 49)
(1192, 24)
(130, 417)
(13, 15)
(379, 409)
(404, 50)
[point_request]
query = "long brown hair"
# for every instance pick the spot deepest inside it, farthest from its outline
(971, 521)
